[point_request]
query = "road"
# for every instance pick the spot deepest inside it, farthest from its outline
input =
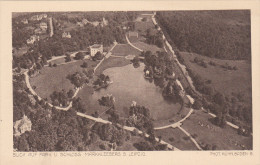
(176, 124)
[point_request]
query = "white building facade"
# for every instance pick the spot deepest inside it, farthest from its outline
(96, 48)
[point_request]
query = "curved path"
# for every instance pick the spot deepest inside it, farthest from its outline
(191, 138)
(177, 124)
(132, 44)
(169, 146)
(77, 89)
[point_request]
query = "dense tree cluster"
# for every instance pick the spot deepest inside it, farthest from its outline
(97, 56)
(155, 39)
(61, 98)
(101, 81)
(161, 63)
(140, 117)
(149, 146)
(111, 133)
(80, 78)
(172, 91)
(209, 33)
(82, 37)
(136, 62)
(107, 101)
(79, 56)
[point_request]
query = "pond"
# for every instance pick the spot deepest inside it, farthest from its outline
(130, 85)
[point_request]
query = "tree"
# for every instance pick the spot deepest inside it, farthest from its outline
(84, 65)
(136, 62)
(219, 99)
(98, 56)
(79, 56)
(70, 93)
(144, 19)
(197, 104)
(67, 58)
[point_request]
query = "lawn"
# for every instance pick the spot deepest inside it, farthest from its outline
(223, 138)
(52, 79)
(124, 50)
(176, 138)
(147, 47)
(225, 81)
(91, 104)
(180, 114)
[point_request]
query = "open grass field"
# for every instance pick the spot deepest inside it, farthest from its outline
(224, 81)
(181, 113)
(176, 138)
(147, 47)
(52, 79)
(112, 62)
(91, 104)
(124, 50)
(224, 138)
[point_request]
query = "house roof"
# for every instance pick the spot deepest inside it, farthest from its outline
(95, 46)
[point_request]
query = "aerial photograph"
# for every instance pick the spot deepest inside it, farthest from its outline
(132, 80)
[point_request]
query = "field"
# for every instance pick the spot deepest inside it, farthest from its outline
(54, 79)
(112, 62)
(207, 133)
(124, 50)
(225, 81)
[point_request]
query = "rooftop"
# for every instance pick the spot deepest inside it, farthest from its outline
(96, 46)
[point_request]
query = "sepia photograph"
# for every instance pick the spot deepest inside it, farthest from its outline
(151, 80)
